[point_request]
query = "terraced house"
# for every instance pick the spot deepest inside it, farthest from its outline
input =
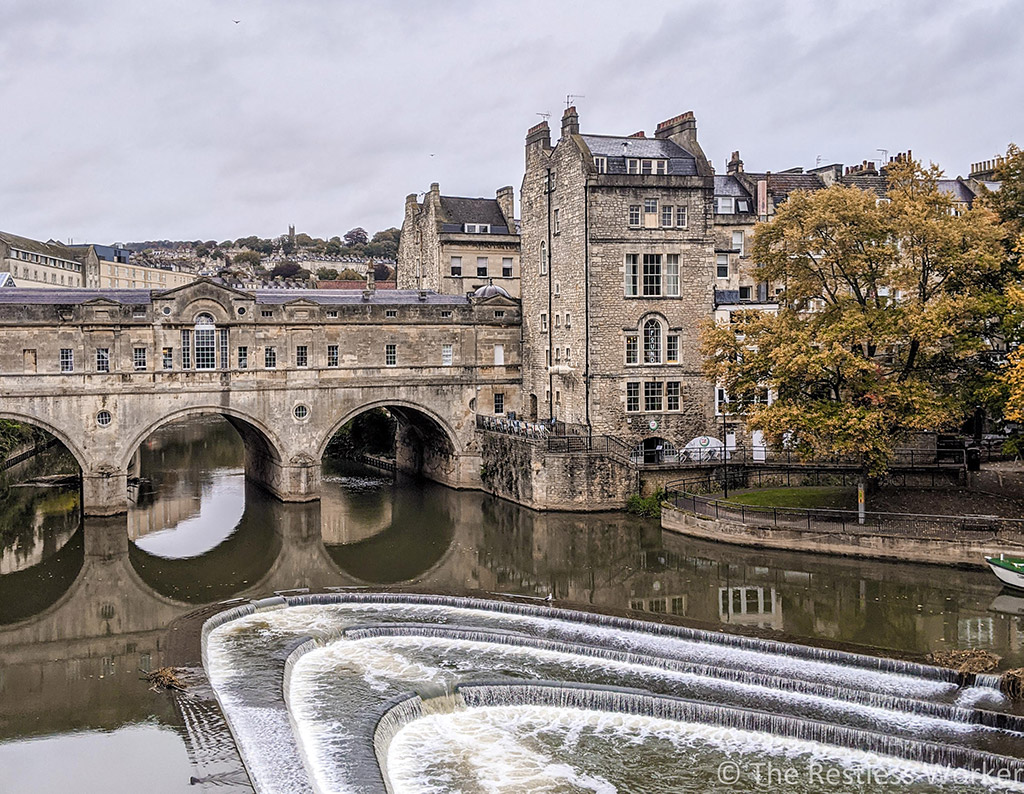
(618, 270)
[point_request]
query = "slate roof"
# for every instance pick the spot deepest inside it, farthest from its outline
(781, 185)
(728, 185)
(956, 190)
(459, 211)
(137, 297)
(57, 250)
(617, 149)
(872, 182)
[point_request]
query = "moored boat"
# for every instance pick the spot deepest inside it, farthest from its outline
(1009, 570)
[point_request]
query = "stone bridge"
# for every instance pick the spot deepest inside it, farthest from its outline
(103, 369)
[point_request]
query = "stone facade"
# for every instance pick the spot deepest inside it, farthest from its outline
(618, 251)
(456, 245)
(103, 370)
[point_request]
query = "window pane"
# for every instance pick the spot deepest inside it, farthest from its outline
(672, 274)
(205, 348)
(456, 265)
(332, 355)
(652, 342)
(650, 205)
(672, 349)
(652, 395)
(680, 216)
(632, 274)
(634, 214)
(667, 215)
(672, 395)
(301, 356)
(186, 349)
(168, 358)
(632, 349)
(723, 266)
(390, 355)
(103, 359)
(481, 266)
(633, 396)
(243, 357)
(446, 355)
(652, 274)
(270, 357)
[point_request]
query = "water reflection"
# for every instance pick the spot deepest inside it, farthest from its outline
(85, 608)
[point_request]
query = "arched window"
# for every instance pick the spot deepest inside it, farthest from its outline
(206, 342)
(652, 342)
(543, 258)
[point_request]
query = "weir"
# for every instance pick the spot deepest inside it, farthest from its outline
(361, 674)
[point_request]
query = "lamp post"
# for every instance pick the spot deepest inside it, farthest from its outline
(725, 450)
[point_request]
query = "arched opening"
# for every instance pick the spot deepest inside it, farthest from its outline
(382, 521)
(40, 513)
(196, 504)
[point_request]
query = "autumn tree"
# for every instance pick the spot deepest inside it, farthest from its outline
(356, 236)
(883, 308)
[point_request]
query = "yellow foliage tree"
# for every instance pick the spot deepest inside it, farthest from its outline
(884, 308)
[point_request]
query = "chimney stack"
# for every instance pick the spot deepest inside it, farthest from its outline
(507, 204)
(682, 130)
(570, 122)
(735, 164)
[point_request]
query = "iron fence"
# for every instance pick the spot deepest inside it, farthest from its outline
(700, 496)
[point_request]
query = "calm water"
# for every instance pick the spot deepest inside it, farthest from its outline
(85, 607)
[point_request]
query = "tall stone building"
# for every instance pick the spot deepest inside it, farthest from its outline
(618, 272)
(456, 245)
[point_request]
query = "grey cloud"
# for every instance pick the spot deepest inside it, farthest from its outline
(143, 120)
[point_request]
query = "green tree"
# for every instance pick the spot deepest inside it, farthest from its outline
(356, 236)
(247, 258)
(327, 274)
(286, 269)
(884, 310)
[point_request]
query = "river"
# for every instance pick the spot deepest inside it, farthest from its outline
(85, 606)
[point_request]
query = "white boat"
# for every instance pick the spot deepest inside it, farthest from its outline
(1009, 570)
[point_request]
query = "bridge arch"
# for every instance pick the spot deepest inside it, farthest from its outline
(249, 428)
(57, 432)
(404, 409)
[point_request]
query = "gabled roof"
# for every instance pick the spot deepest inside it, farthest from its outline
(7, 280)
(458, 210)
(198, 282)
(57, 250)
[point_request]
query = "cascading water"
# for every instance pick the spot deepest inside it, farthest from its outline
(361, 692)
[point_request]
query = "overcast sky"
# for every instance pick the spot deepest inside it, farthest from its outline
(130, 120)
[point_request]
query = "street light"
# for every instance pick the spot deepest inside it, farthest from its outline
(725, 448)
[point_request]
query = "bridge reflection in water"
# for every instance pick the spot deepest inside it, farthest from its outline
(88, 605)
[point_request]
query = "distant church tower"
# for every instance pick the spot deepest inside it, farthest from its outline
(291, 234)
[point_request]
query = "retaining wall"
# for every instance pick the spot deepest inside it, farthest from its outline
(966, 551)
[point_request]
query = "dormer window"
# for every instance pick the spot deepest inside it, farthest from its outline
(645, 166)
(601, 164)
(478, 228)
(724, 205)
(742, 205)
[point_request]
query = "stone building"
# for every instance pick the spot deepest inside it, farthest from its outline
(35, 264)
(52, 264)
(456, 245)
(618, 257)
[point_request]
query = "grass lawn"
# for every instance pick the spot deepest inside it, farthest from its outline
(833, 497)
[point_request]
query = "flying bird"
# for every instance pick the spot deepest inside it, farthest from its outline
(236, 21)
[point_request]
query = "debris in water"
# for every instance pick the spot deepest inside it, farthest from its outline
(165, 678)
(1012, 684)
(966, 660)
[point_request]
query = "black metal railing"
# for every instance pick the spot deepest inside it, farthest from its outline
(703, 496)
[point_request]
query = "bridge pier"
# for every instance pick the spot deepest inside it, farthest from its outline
(104, 491)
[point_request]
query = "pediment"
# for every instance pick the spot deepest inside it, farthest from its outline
(203, 288)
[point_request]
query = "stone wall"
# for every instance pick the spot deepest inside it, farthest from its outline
(526, 473)
(965, 550)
